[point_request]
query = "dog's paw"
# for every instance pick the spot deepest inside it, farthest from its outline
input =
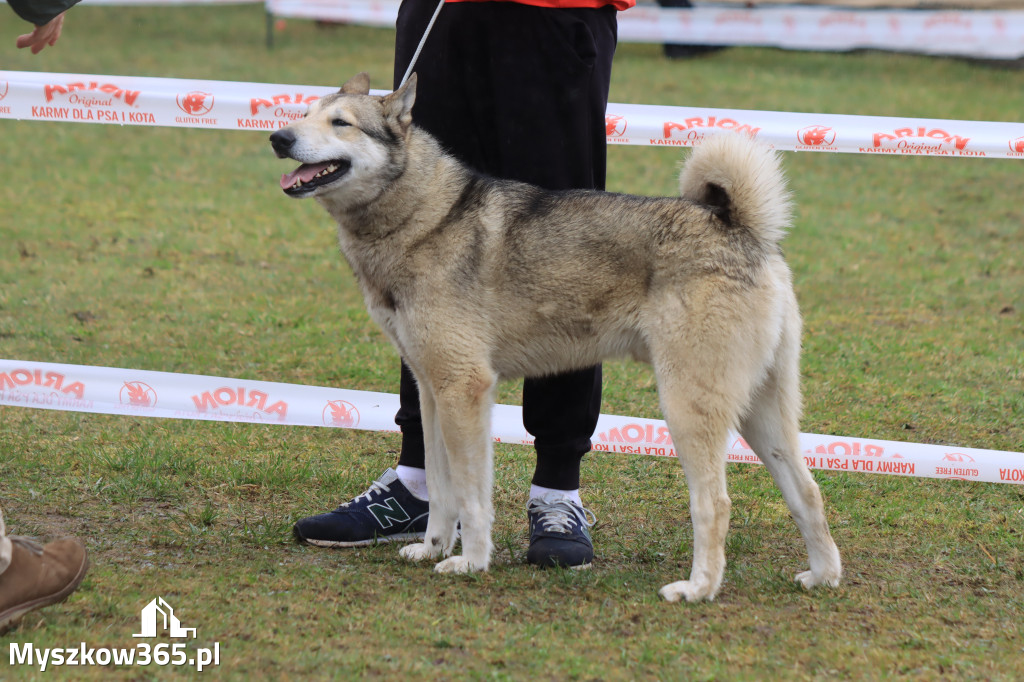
(458, 564)
(420, 551)
(686, 589)
(809, 580)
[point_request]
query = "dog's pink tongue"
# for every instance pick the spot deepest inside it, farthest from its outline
(305, 173)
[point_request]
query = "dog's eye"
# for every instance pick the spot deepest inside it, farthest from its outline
(340, 123)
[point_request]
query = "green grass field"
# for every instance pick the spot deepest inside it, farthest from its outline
(174, 250)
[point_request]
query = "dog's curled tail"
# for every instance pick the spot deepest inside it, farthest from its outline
(741, 181)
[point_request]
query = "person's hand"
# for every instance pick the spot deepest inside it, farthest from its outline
(44, 35)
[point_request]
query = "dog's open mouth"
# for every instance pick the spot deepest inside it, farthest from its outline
(309, 176)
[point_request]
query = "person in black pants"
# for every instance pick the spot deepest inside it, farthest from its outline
(516, 91)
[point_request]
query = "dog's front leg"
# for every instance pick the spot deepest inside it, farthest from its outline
(464, 415)
(440, 535)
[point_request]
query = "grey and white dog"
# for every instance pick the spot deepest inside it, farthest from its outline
(474, 279)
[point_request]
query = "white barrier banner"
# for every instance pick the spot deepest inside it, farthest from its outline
(162, 3)
(381, 13)
(990, 34)
(142, 393)
(686, 126)
(133, 100)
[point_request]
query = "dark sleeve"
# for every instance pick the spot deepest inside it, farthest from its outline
(40, 12)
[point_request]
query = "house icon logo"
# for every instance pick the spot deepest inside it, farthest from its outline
(159, 612)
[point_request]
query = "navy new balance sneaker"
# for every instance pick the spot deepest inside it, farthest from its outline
(559, 533)
(386, 512)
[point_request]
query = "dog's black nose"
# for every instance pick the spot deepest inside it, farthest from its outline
(282, 141)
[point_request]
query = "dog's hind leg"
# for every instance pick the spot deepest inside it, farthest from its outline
(441, 523)
(771, 428)
(699, 412)
(464, 416)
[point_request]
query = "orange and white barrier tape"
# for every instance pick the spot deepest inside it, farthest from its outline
(132, 100)
(988, 34)
(141, 393)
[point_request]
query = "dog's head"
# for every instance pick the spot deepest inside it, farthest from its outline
(347, 141)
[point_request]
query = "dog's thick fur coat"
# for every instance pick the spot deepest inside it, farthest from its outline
(475, 279)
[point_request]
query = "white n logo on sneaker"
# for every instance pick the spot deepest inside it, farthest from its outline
(388, 513)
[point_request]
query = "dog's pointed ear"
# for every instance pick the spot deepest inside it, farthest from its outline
(358, 84)
(398, 105)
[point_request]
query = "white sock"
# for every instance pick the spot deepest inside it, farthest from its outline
(537, 491)
(414, 479)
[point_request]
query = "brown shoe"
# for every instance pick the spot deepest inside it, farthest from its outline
(39, 576)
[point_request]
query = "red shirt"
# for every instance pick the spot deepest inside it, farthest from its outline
(563, 4)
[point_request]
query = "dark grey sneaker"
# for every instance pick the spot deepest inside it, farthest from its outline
(386, 512)
(559, 533)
